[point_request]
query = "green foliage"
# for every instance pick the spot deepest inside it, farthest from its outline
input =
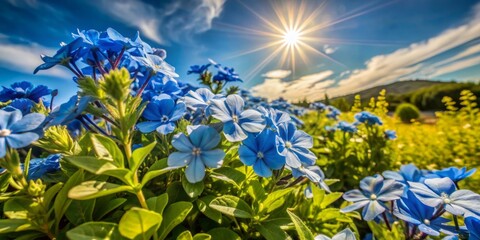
(407, 112)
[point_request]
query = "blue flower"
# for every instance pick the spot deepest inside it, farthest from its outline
(236, 121)
(368, 118)
(225, 73)
(261, 152)
(333, 112)
(374, 192)
(68, 111)
(198, 69)
(390, 134)
(473, 226)
(346, 127)
(156, 64)
(18, 131)
(456, 174)
(40, 166)
(23, 104)
(161, 113)
(345, 234)
(24, 90)
(441, 192)
(318, 106)
(200, 99)
(197, 151)
(65, 55)
(407, 173)
(160, 85)
(274, 117)
(412, 210)
(313, 173)
(295, 146)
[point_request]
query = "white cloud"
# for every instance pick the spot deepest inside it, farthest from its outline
(177, 21)
(458, 65)
(279, 73)
(329, 49)
(25, 58)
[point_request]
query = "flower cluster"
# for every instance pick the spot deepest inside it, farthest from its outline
(422, 199)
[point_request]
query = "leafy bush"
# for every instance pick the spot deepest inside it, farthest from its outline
(407, 112)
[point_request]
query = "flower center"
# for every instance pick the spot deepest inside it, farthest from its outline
(446, 198)
(260, 155)
(426, 221)
(288, 144)
(235, 118)
(5, 132)
(164, 118)
(196, 151)
(373, 197)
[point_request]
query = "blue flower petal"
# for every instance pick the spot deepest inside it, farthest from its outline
(213, 158)
(147, 127)
(373, 209)
(166, 128)
(3, 147)
(205, 137)
(29, 122)
(182, 143)
(261, 169)
(355, 206)
(195, 171)
(233, 132)
(20, 140)
(179, 159)
(247, 156)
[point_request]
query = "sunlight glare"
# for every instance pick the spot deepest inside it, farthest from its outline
(291, 37)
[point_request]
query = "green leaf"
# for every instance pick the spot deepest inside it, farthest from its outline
(202, 204)
(50, 194)
(303, 232)
(80, 211)
(271, 231)
(193, 190)
(256, 190)
(26, 164)
(202, 236)
(19, 208)
(101, 167)
(232, 206)
(224, 233)
(15, 225)
(106, 148)
(229, 175)
(103, 210)
(330, 198)
(95, 230)
(275, 200)
(158, 204)
(62, 201)
(160, 167)
(186, 235)
(139, 223)
(173, 215)
(94, 189)
(139, 156)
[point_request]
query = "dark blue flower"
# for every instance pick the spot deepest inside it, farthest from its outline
(236, 121)
(456, 174)
(225, 73)
(65, 55)
(24, 90)
(68, 111)
(197, 69)
(160, 85)
(261, 152)
(374, 192)
(333, 112)
(345, 234)
(162, 113)
(473, 226)
(318, 106)
(295, 146)
(18, 131)
(40, 166)
(441, 192)
(23, 104)
(197, 151)
(390, 134)
(412, 210)
(346, 127)
(367, 118)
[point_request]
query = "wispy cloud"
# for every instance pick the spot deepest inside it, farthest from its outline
(279, 73)
(329, 49)
(177, 21)
(24, 58)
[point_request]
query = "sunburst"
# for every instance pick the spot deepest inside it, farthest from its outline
(295, 32)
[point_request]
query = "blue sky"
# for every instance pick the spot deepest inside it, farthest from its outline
(362, 43)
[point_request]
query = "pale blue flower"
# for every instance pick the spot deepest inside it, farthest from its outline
(345, 234)
(295, 146)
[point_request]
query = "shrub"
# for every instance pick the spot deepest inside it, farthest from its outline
(407, 112)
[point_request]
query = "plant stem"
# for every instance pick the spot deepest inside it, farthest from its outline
(384, 215)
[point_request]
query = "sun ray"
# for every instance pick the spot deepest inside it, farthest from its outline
(269, 45)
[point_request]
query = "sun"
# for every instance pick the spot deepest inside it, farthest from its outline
(291, 37)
